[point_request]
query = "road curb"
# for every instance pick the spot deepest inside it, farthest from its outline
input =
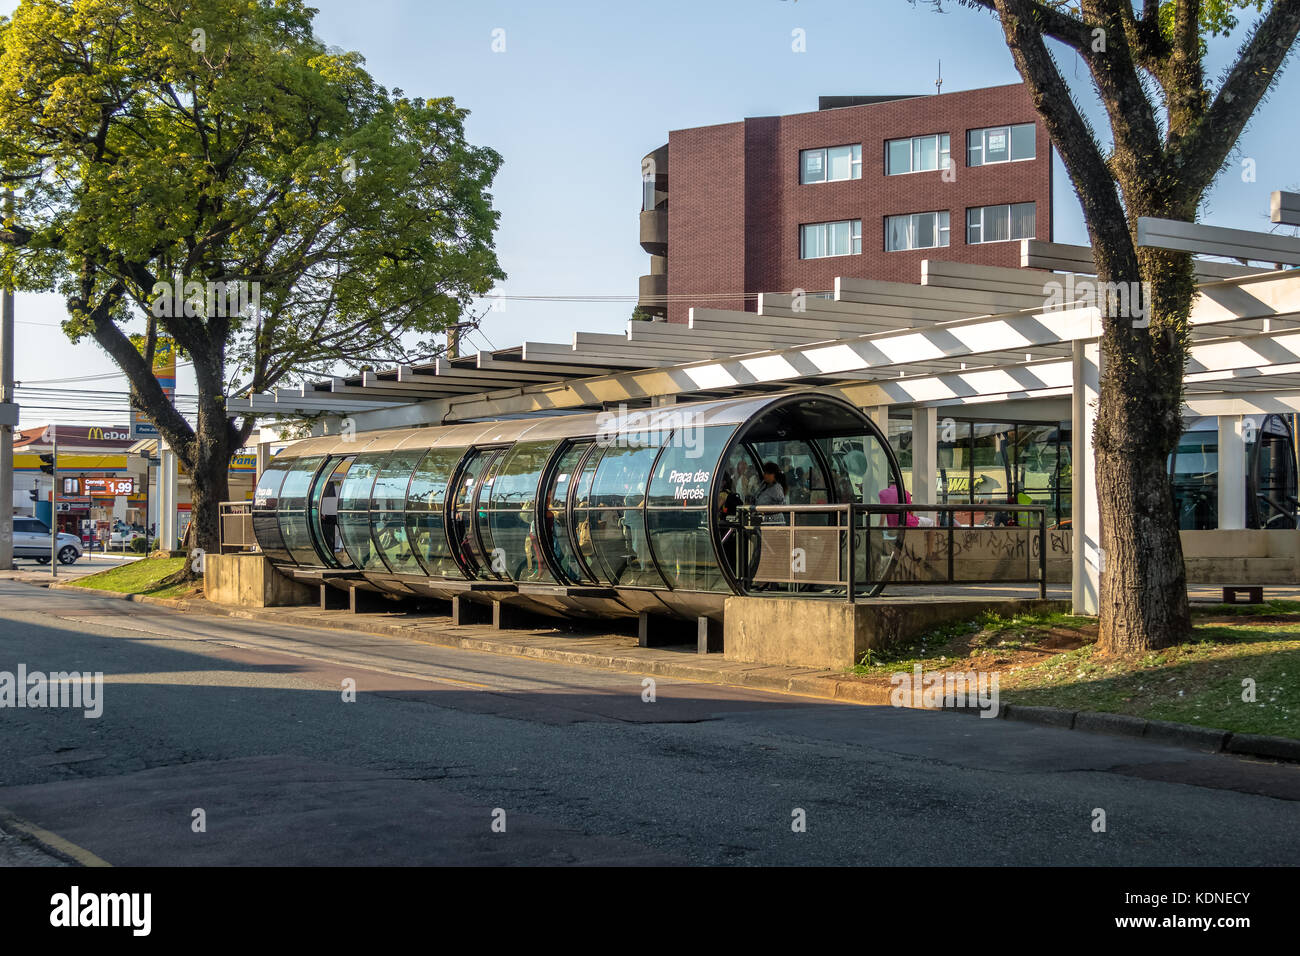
(1188, 736)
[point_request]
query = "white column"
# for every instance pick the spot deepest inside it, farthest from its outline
(1232, 472)
(925, 454)
(879, 415)
(168, 492)
(1088, 556)
(263, 456)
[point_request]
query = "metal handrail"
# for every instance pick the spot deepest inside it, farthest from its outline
(745, 574)
(236, 526)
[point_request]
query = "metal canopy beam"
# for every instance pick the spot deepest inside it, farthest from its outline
(1217, 241)
(1039, 254)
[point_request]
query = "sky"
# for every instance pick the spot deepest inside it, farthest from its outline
(583, 90)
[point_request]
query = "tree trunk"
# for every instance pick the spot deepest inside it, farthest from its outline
(210, 470)
(1143, 601)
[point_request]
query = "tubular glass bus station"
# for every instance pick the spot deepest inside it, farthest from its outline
(602, 514)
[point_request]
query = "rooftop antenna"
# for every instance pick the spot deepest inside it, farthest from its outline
(938, 84)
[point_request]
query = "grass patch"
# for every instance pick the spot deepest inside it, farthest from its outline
(1266, 609)
(138, 577)
(1052, 660)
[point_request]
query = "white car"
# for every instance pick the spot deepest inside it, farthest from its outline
(32, 540)
(123, 537)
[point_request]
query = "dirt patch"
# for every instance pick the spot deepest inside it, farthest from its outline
(984, 651)
(1068, 639)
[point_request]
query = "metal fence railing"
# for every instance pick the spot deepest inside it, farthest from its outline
(237, 527)
(854, 550)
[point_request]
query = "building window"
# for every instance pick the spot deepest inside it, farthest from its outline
(647, 194)
(916, 155)
(921, 230)
(831, 164)
(821, 239)
(1001, 223)
(1000, 144)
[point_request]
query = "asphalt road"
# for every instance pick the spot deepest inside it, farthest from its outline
(248, 723)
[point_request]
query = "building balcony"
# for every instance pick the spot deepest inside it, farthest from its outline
(654, 232)
(652, 294)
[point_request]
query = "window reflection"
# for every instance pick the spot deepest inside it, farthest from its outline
(293, 510)
(324, 514)
(678, 511)
(388, 513)
(516, 528)
(266, 506)
(354, 510)
(563, 546)
(615, 519)
(425, 499)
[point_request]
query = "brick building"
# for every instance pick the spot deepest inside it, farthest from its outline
(862, 187)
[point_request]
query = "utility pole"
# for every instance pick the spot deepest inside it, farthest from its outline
(8, 414)
(54, 506)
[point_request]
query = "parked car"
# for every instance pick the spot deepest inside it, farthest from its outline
(32, 540)
(123, 534)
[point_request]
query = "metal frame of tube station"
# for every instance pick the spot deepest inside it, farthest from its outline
(965, 337)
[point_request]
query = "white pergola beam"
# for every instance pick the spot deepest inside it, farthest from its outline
(1284, 208)
(1198, 238)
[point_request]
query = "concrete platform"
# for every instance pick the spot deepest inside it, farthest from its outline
(798, 632)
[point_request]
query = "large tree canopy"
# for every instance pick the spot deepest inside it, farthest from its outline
(220, 142)
(1172, 130)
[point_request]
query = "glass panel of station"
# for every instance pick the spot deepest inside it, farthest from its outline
(581, 520)
(293, 510)
(354, 510)
(266, 508)
(388, 512)
(1271, 476)
(425, 500)
(513, 525)
(471, 551)
(323, 516)
(613, 514)
(1194, 469)
(563, 538)
(900, 440)
(678, 506)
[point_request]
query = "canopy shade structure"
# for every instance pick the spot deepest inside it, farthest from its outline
(611, 514)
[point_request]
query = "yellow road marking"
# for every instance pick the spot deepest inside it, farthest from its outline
(52, 840)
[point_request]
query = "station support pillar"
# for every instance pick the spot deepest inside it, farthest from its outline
(1232, 472)
(1088, 556)
(925, 454)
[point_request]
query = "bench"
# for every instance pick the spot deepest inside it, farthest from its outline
(1254, 594)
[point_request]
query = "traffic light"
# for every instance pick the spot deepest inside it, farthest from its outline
(47, 464)
(36, 495)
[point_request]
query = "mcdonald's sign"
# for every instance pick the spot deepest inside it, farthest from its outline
(95, 433)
